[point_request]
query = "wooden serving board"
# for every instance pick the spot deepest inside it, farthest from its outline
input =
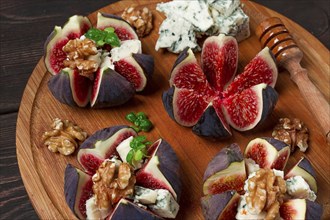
(43, 171)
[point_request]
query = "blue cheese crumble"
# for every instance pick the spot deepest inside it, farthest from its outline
(298, 188)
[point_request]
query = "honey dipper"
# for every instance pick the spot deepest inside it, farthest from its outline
(273, 34)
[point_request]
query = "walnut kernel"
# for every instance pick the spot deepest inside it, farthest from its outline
(265, 193)
(64, 138)
(140, 19)
(110, 184)
(292, 132)
(82, 54)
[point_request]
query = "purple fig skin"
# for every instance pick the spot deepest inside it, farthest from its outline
(301, 209)
(168, 165)
(103, 134)
(223, 159)
(126, 210)
(64, 94)
(146, 62)
(209, 125)
(314, 210)
(269, 97)
(213, 205)
(304, 169)
(114, 90)
(182, 56)
(71, 188)
(167, 98)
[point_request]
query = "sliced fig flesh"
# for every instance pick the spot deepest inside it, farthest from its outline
(261, 69)
(304, 169)
(226, 171)
(162, 171)
(123, 29)
(220, 206)
(77, 190)
(219, 60)
(54, 55)
(101, 145)
(70, 88)
(300, 209)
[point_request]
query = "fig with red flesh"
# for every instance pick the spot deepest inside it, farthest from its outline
(161, 170)
(70, 88)
(77, 190)
(226, 171)
(194, 89)
(300, 209)
(304, 169)
(137, 69)
(54, 55)
(220, 206)
(102, 145)
(268, 152)
(110, 89)
(122, 28)
(127, 210)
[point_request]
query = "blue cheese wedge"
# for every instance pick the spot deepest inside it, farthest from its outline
(223, 8)
(176, 39)
(298, 188)
(165, 206)
(194, 11)
(144, 196)
(237, 25)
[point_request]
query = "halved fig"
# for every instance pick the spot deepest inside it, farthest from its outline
(54, 56)
(126, 209)
(137, 69)
(162, 171)
(219, 60)
(77, 190)
(220, 206)
(110, 89)
(226, 171)
(245, 110)
(265, 152)
(101, 145)
(70, 88)
(261, 69)
(194, 89)
(300, 209)
(122, 28)
(304, 169)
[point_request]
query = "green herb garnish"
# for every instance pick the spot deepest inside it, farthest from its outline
(140, 121)
(107, 36)
(138, 149)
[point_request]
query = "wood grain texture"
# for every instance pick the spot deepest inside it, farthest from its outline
(43, 171)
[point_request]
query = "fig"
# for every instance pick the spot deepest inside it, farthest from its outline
(268, 152)
(110, 89)
(137, 69)
(54, 56)
(122, 28)
(70, 88)
(300, 209)
(220, 206)
(77, 190)
(126, 210)
(245, 110)
(209, 98)
(226, 171)
(102, 145)
(304, 169)
(162, 170)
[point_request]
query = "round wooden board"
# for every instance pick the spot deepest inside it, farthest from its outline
(43, 171)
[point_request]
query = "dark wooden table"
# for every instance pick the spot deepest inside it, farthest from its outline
(24, 27)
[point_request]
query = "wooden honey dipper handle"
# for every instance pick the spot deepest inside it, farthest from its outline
(273, 34)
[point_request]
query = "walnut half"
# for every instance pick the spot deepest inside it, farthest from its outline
(64, 138)
(140, 19)
(292, 132)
